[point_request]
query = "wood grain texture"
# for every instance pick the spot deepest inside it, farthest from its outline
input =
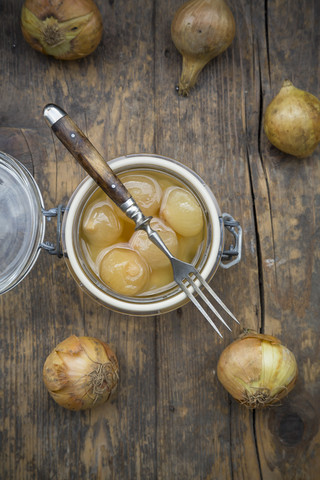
(169, 418)
(290, 287)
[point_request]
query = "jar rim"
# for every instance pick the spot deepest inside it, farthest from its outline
(129, 305)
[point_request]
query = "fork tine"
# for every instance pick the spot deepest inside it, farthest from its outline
(207, 301)
(197, 304)
(182, 272)
(214, 295)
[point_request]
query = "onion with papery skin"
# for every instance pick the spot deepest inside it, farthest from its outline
(200, 30)
(292, 121)
(65, 29)
(81, 372)
(257, 370)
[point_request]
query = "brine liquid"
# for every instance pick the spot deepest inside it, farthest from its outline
(126, 261)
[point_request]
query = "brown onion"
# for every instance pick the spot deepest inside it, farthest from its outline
(257, 370)
(65, 29)
(81, 372)
(200, 30)
(292, 121)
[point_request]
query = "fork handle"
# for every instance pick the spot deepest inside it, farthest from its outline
(85, 153)
(90, 159)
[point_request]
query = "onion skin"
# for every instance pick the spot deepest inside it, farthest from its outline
(257, 370)
(292, 121)
(200, 30)
(64, 29)
(81, 372)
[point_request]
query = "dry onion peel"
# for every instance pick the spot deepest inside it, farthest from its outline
(66, 30)
(81, 372)
(257, 370)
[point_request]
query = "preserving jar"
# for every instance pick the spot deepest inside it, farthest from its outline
(28, 222)
(22, 223)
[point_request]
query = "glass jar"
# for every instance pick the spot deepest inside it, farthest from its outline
(23, 221)
(207, 262)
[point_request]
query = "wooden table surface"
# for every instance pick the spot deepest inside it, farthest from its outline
(170, 418)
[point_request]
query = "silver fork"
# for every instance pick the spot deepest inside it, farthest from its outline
(185, 274)
(182, 273)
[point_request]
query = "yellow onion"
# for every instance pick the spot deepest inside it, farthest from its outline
(81, 372)
(200, 30)
(292, 121)
(257, 370)
(65, 29)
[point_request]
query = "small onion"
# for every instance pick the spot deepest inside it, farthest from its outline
(201, 30)
(81, 372)
(64, 29)
(257, 370)
(292, 121)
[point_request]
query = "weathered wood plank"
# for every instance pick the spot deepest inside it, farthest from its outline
(170, 417)
(107, 95)
(208, 133)
(288, 436)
